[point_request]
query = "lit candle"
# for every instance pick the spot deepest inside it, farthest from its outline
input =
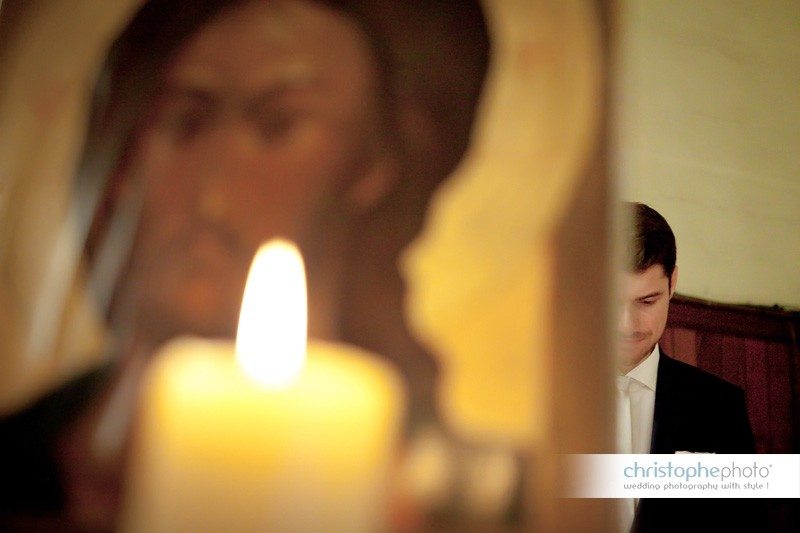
(266, 440)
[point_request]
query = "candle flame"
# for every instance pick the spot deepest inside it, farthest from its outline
(272, 335)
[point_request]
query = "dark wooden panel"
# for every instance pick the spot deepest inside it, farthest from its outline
(685, 345)
(743, 321)
(732, 355)
(780, 398)
(757, 391)
(753, 347)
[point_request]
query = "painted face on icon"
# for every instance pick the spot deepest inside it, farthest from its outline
(267, 114)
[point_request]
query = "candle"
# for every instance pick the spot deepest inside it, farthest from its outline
(257, 439)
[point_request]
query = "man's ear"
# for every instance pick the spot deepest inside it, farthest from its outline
(673, 281)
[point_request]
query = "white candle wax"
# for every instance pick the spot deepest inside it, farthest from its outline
(265, 435)
(219, 452)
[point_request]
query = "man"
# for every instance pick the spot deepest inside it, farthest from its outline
(666, 406)
(235, 121)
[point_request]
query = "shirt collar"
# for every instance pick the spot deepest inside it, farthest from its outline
(646, 372)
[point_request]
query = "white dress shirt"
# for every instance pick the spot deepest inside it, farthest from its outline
(636, 399)
(642, 395)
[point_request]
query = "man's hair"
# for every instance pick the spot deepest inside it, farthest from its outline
(652, 241)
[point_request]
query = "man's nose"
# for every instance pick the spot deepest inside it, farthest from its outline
(226, 159)
(627, 322)
(228, 151)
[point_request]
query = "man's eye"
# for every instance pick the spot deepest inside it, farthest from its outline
(186, 124)
(276, 123)
(275, 127)
(183, 119)
(648, 301)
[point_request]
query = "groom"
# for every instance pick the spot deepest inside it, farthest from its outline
(664, 405)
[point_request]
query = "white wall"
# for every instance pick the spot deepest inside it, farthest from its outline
(708, 133)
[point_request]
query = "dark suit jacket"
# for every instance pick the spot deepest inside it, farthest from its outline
(698, 412)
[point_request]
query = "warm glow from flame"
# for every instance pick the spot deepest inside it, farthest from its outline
(271, 340)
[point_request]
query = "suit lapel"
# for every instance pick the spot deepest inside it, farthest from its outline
(665, 407)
